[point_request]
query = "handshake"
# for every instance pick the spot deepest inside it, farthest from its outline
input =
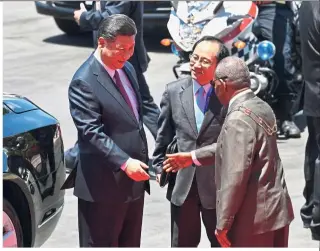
(136, 169)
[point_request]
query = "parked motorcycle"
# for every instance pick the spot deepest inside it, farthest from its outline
(232, 22)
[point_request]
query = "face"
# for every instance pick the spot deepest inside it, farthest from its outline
(203, 61)
(115, 53)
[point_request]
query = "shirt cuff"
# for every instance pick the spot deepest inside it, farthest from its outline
(125, 164)
(194, 159)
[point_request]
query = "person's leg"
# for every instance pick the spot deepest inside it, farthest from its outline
(275, 25)
(100, 223)
(186, 222)
(285, 69)
(209, 218)
(315, 223)
(244, 239)
(311, 155)
(130, 235)
(281, 237)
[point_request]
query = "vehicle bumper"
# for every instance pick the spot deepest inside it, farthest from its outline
(50, 9)
(46, 228)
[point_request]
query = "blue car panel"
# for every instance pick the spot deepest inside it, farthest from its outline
(18, 104)
(33, 170)
(18, 123)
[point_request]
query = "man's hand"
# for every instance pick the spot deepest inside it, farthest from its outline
(177, 161)
(77, 13)
(223, 238)
(135, 170)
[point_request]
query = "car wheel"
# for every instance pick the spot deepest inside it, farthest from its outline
(69, 27)
(12, 231)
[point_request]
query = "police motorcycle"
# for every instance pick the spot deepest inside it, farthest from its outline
(230, 21)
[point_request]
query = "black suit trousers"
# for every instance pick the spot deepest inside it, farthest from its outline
(186, 222)
(310, 211)
(110, 224)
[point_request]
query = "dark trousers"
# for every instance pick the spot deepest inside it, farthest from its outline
(275, 24)
(310, 211)
(150, 110)
(273, 239)
(110, 224)
(186, 222)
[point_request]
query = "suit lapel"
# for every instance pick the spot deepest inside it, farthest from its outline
(214, 109)
(105, 80)
(186, 97)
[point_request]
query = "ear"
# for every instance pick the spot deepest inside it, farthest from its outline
(101, 42)
(224, 83)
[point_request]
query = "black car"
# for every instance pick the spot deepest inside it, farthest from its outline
(156, 14)
(33, 172)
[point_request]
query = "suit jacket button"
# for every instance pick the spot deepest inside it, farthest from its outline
(143, 151)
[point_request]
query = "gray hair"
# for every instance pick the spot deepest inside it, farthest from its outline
(235, 70)
(117, 24)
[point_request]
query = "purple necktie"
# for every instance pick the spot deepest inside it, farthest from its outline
(122, 90)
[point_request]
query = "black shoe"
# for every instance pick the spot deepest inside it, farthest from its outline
(290, 129)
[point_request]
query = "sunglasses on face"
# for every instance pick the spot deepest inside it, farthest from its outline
(218, 79)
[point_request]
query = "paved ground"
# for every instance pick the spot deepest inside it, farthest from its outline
(39, 61)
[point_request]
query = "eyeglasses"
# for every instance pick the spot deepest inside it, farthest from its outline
(204, 62)
(218, 79)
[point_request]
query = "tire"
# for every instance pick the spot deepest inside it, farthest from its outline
(69, 27)
(9, 211)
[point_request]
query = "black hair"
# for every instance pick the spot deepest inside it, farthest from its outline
(223, 50)
(117, 24)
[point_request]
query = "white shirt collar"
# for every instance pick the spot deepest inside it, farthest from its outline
(197, 86)
(110, 71)
(238, 95)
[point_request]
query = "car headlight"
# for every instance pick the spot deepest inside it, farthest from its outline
(266, 50)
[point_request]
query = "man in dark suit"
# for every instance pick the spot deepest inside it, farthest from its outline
(191, 111)
(106, 107)
(90, 20)
(253, 205)
(310, 50)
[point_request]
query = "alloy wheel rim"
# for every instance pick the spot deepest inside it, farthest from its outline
(9, 232)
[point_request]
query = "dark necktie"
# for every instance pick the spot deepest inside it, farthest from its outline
(122, 90)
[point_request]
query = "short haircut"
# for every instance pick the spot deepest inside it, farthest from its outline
(235, 71)
(117, 24)
(223, 50)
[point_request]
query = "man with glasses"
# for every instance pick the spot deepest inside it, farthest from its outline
(191, 112)
(106, 107)
(253, 205)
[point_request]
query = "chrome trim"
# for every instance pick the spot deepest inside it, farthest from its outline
(52, 216)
